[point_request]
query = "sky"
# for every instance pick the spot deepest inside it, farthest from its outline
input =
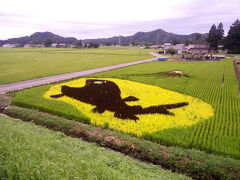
(86, 19)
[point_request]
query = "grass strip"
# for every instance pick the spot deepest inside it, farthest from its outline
(193, 163)
(28, 151)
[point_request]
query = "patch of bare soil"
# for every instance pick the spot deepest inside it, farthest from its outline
(237, 71)
(164, 153)
(175, 74)
(5, 101)
(175, 60)
(112, 140)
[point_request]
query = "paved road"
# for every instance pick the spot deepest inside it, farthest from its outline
(46, 80)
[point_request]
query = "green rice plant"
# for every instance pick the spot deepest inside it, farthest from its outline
(18, 64)
(219, 134)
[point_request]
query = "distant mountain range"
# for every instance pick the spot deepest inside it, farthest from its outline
(158, 36)
(153, 37)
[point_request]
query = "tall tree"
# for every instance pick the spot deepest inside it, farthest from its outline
(78, 44)
(171, 51)
(133, 43)
(232, 41)
(198, 38)
(220, 33)
(212, 37)
(187, 42)
(48, 42)
(175, 41)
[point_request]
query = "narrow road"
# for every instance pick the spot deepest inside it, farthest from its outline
(236, 61)
(46, 80)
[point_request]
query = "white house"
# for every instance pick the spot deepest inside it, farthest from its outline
(166, 46)
(54, 45)
(9, 45)
(27, 46)
(180, 48)
(155, 46)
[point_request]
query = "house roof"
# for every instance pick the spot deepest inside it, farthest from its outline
(167, 44)
(179, 46)
(203, 48)
(167, 47)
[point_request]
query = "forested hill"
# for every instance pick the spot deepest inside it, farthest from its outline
(40, 37)
(155, 37)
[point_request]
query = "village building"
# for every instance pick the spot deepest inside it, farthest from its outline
(201, 48)
(180, 48)
(54, 45)
(10, 45)
(27, 46)
(39, 45)
(156, 46)
(166, 46)
(62, 45)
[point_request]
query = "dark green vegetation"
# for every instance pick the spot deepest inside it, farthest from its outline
(232, 41)
(196, 164)
(212, 82)
(171, 51)
(19, 64)
(215, 36)
(28, 151)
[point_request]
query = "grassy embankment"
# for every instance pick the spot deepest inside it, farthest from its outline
(28, 151)
(18, 64)
(196, 164)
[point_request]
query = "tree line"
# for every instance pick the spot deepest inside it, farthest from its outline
(231, 42)
(77, 44)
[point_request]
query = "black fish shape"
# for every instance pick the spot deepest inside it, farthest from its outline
(106, 95)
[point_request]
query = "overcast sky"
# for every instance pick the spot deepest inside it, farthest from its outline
(106, 18)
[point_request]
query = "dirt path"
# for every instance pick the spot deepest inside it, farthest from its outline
(46, 80)
(237, 71)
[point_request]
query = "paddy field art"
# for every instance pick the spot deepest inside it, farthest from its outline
(181, 117)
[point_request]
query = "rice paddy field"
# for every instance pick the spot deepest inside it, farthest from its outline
(38, 153)
(201, 109)
(18, 64)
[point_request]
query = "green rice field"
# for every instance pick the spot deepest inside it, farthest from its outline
(212, 82)
(18, 64)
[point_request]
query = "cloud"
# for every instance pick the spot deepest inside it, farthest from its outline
(95, 19)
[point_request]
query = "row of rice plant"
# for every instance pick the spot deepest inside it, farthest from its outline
(218, 133)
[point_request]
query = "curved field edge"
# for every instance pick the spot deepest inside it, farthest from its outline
(212, 82)
(33, 152)
(194, 163)
(220, 134)
(24, 64)
(150, 96)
